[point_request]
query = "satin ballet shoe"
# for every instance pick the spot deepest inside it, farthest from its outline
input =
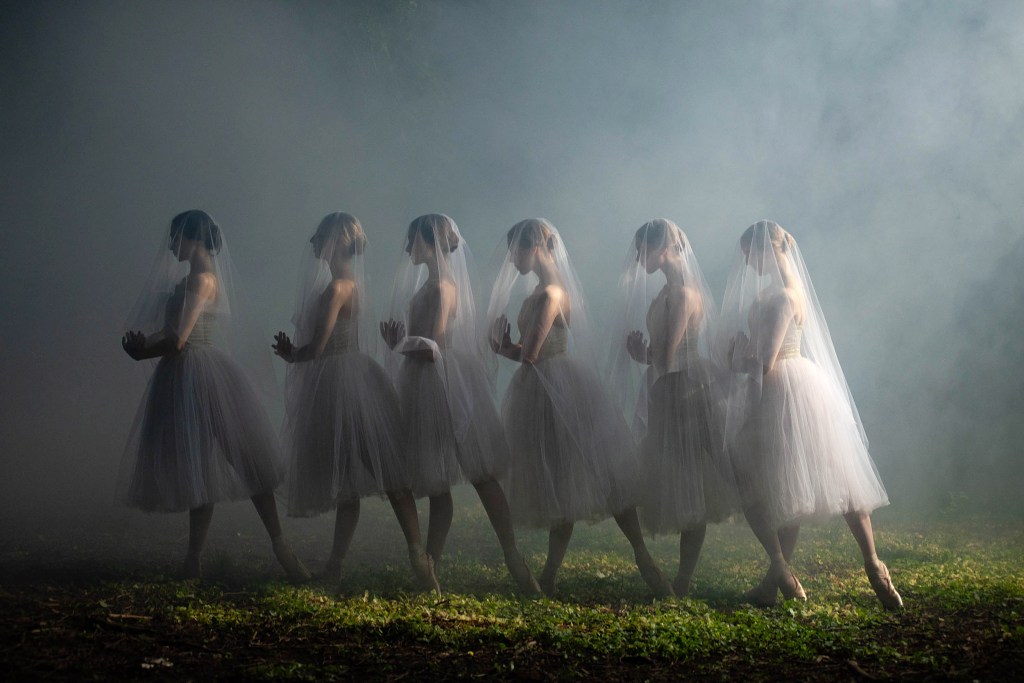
(681, 585)
(191, 568)
(798, 592)
(525, 583)
(423, 570)
(881, 582)
(653, 576)
(790, 586)
(293, 567)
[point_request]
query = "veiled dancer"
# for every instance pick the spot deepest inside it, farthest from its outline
(669, 386)
(572, 455)
(795, 438)
(343, 423)
(451, 428)
(201, 435)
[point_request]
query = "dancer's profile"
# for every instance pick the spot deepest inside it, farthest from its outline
(794, 436)
(201, 435)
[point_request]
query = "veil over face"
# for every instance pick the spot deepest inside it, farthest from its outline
(163, 297)
(335, 240)
(640, 282)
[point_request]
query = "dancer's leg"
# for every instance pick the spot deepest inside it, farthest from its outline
(878, 573)
(345, 519)
(404, 506)
(496, 506)
(558, 542)
(266, 508)
(629, 523)
(198, 525)
(441, 510)
(690, 543)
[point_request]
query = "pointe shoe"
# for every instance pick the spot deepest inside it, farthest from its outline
(798, 592)
(681, 585)
(525, 583)
(881, 581)
(191, 568)
(790, 586)
(423, 569)
(292, 565)
(652, 576)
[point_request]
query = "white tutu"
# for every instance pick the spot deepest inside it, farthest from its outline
(342, 433)
(681, 458)
(200, 436)
(444, 450)
(800, 453)
(568, 464)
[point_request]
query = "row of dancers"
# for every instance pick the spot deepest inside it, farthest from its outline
(743, 411)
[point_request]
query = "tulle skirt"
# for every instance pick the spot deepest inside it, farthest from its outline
(342, 433)
(452, 432)
(800, 453)
(201, 436)
(572, 455)
(686, 473)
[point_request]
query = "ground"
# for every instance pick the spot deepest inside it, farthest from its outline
(90, 595)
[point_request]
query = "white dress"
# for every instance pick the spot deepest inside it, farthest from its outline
(681, 454)
(201, 434)
(800, 452)
(342, 429)
(572, 455)
(449, 439)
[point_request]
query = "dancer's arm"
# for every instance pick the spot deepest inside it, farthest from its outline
(337, 295)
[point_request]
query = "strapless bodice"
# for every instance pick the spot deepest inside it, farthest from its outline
(340, 340)
(556, 343)
(791, 343)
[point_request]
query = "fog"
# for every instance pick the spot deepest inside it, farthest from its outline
(886, 136)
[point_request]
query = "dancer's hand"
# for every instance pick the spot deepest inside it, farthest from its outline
(637, 347)
(393, 331)
(284, 347)
(501, 338)
(133, 344)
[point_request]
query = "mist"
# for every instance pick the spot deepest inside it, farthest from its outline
(886, 136)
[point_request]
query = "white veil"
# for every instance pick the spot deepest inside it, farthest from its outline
(314, 277)
(157, 309)
(452, 259)
(631, 380)
(767, 258)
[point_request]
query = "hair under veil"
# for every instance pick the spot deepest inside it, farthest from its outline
(789, 413)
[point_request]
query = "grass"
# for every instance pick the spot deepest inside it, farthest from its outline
(85, 603)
